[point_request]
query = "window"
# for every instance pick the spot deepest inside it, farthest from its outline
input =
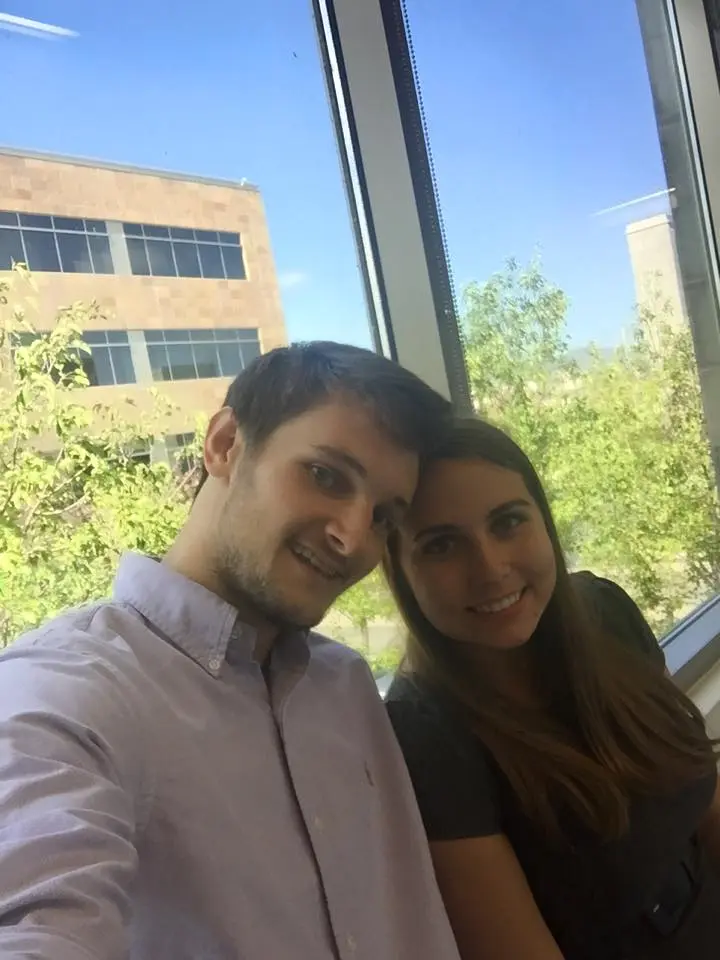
(157, 251)
(578, 300)
(109, 361)
(49, 244)
(199, 354)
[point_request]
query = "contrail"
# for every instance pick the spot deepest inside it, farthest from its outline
(631, 203)
(34, 28)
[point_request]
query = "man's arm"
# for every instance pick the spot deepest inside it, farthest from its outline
(69, 794)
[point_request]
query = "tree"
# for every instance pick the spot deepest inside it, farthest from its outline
(73, 492)
(620, 443)
(365, 602)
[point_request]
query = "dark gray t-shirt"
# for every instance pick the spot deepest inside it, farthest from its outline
(589, 891)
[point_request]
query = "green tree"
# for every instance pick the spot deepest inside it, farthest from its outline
(73, 492)
(365, 602)
(620, 442)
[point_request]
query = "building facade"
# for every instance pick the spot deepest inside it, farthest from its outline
(655, 267)
(181, 268)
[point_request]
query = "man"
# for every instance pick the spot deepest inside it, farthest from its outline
(188, 773)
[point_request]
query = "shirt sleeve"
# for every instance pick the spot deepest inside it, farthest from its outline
(69, 789)
(619, 615)
(454, 788)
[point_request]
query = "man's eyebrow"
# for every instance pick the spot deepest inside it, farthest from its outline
(336, 453)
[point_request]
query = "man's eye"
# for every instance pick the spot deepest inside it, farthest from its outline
(324, 477)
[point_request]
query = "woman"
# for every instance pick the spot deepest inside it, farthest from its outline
(568, 788)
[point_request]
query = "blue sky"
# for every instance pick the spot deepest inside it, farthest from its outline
(540, 116)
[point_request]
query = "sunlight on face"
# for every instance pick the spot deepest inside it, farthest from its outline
(477, 554)
(308, 515)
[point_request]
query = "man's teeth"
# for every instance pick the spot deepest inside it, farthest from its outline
(497, 605)
(314, 562)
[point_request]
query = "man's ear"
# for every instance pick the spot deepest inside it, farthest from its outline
(223, 443)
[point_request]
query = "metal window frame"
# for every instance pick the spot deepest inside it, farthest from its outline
(370, 76)
(55, 231)
(190, 242)
(693, 169)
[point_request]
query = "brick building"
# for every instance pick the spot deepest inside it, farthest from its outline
(181, 267)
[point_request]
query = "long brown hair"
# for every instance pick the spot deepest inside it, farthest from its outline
(617, 726)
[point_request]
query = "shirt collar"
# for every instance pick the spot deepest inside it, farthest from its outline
(190, 616)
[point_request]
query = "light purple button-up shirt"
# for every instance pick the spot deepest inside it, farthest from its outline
(160, 800)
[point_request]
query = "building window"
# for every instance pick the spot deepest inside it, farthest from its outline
(54, 244)
(109, 361)
(197, 354)
(181, 252)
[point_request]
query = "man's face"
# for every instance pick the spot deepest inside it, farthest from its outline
(308, 514)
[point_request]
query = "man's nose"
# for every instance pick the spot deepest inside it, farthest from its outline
(349, 529)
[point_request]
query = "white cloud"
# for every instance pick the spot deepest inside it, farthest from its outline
(34, 28)
(292, 278)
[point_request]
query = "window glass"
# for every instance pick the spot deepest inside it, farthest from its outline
(249, 350)
(564, 234)
(8, 219)
(186, 258)
(230, 362)
(138, 257)
(209, 236)
(35, 220)
(116, 336)
(74, 253)
(182, 364)
(232, 258)
(162, 233)
(100, 252)
(182, 233)
(211, 261)
(95, 336)
(69, 223)
(159, 363)
(11, 248)
(96, 226)
(41, 250)
(161, 258)
(206, 360)
(99, 369)
(122, 364)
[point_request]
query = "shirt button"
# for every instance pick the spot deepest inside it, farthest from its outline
(351, 944)
(215, 663)
(318, 824)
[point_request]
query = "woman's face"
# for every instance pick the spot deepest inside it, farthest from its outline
(477, 555)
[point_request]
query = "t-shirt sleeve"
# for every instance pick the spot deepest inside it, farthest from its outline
(619, 615)
(453, 784)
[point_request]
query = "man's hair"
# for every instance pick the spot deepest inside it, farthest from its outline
(286, 382)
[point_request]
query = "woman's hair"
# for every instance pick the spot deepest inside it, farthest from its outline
(617, 723)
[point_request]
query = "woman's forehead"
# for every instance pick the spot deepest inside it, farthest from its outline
(462, 491)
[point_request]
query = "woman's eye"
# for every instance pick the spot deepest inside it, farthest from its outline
(508, 523)
(439, 547)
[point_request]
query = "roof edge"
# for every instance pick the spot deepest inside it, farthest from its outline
(127, 168)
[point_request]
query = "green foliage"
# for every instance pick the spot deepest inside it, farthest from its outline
(385, 661)
(365, 602)
(620, 444)
(73, 493)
